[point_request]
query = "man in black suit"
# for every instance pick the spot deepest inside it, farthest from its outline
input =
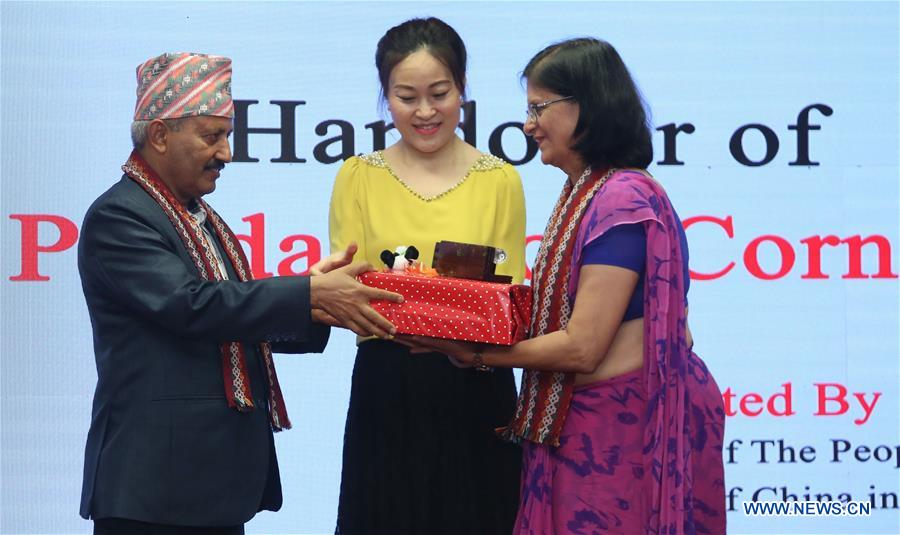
(187, 397)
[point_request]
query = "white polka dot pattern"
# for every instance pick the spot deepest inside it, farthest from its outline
(458, 309)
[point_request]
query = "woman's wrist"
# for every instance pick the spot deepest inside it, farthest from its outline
(478, 361)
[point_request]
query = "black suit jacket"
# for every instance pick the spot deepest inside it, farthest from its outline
(163, 445)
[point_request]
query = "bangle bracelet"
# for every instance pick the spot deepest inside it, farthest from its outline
(478, 363)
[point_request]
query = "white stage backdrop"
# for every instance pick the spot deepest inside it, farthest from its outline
(776, 137)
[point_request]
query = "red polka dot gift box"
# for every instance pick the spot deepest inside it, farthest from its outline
(458, 309)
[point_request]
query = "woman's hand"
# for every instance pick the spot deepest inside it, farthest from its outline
(461, 354)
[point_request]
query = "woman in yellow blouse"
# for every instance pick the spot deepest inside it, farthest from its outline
(420, 452)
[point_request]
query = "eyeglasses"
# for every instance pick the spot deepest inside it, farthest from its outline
(535, 110)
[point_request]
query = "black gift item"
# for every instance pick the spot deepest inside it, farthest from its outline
(469, 261)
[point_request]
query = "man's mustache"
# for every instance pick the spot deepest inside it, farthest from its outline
(216, 164)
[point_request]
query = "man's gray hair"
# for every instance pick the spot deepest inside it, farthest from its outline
(139, 130)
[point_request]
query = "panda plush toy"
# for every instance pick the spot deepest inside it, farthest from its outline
(402, 258)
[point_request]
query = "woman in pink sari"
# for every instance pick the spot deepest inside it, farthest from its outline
(621, 423)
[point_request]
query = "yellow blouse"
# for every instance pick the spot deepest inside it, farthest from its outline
(372, 206)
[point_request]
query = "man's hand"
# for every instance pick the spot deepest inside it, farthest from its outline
(338, 294)
(334, 261)
(320, 316)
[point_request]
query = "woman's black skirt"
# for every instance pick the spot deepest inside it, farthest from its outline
(420, 452)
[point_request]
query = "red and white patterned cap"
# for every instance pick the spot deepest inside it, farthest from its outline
(183, 84)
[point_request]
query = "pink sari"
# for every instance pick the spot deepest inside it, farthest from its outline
(642, 452)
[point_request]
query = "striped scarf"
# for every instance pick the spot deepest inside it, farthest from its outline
(234, 361)
(545, 396)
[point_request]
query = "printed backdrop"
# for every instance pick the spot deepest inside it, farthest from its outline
(776, 137)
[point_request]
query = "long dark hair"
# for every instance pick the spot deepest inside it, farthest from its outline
(432, 34)
(612, 128)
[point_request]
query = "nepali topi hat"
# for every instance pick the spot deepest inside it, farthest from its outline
(183, 84)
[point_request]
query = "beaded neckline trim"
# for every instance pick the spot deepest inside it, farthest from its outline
(485, 162)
